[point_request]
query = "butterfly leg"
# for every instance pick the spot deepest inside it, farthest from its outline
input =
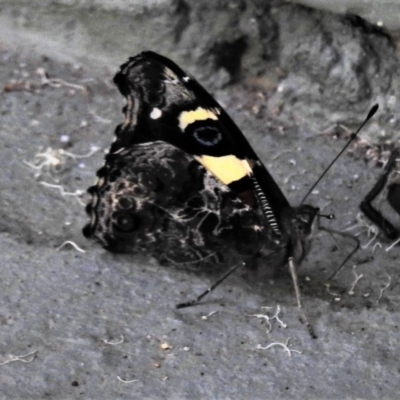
(210, 289)
(293, 273)
(374, 215)
(346, 235)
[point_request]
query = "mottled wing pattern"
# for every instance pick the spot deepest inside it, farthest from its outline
(154, 199)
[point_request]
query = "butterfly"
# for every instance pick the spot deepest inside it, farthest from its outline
(393, 198)
(181, 181)
(182, 184)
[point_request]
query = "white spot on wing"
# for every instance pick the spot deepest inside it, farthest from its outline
(155, 113)
(186, 79)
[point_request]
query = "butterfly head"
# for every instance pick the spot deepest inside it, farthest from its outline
(298, 225)
(303, 220)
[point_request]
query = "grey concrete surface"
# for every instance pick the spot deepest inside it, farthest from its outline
(97, 326)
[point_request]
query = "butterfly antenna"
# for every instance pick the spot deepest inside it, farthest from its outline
(211, 288)
(371, 113)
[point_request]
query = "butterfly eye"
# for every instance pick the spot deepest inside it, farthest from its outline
(305, 219)
(207, 136)
(125, 222)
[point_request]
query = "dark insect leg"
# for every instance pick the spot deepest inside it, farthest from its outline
(211, 288)
(374, 215)
(345, 234)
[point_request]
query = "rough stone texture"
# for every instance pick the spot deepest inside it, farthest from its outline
(70, 307)
(381, 12)
(343, 63)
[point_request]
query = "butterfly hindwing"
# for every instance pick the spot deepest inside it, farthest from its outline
(152, 198)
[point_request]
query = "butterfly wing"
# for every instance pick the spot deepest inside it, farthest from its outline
(165, 103)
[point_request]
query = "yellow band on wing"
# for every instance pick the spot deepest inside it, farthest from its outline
(227, 169)
(200, 114)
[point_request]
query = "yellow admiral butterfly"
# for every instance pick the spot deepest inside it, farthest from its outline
(182, 184)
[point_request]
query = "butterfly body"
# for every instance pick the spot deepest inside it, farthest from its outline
(182, 184)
